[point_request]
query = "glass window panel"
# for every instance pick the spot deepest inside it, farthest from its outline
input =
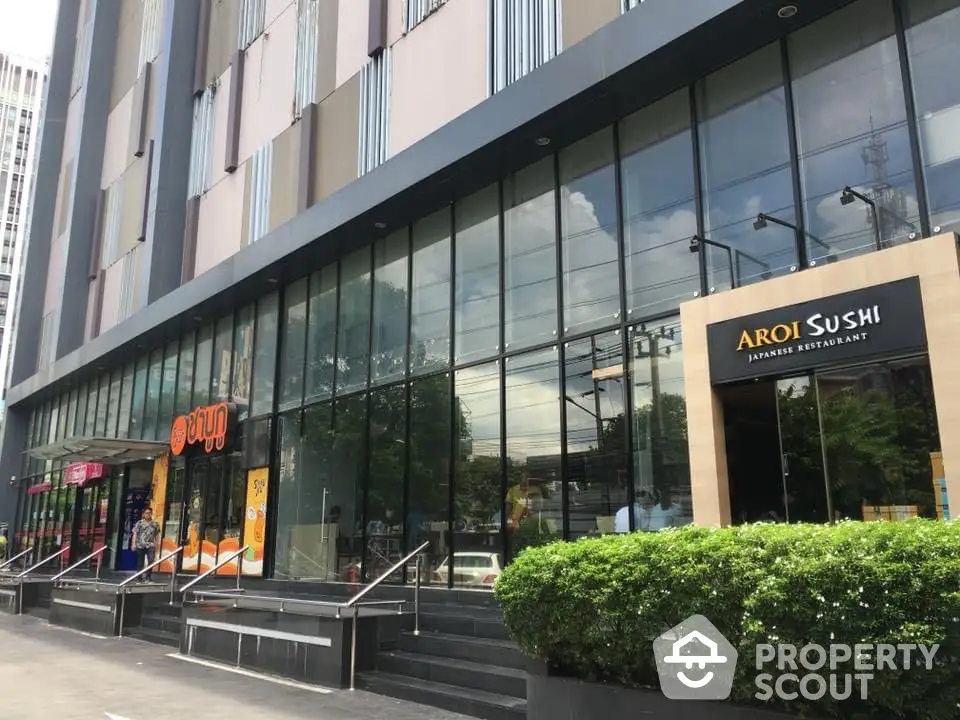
(242, 360)
(533, 502)
(588, 222)
(852, 130)
(596, 432)
(222, 355)
(89, 427)
(126, 394)
(138, 401)
(932, 30)
(430, 294)
(321, 334)
(428, 509)
(388, 453)
(353, 328)
(293, 344)
(745, 160)
(265, 357)
(168, 389)
(659, 206)
(201, 367)
(477, 501)
(185, 370)
(100, 428)
(391, 257)
(530, 260)
(152, 402)
(661, 471)
(477, 276)
(113, 408)
(71, 417)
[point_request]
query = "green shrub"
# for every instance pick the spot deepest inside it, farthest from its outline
(593, 607)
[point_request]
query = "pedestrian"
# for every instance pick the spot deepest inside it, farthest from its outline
(143, 541)
(3, 544)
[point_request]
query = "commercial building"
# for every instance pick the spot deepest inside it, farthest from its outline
(22, 84)
(330, 279)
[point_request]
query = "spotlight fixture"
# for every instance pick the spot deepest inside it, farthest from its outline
(695, 244)
(847, 197)
(380, 225)
(787, 11)
(543, 141)
(760, 223)
(272, 280)
(937, 229)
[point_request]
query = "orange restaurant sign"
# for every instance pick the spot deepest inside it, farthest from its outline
(207, 425)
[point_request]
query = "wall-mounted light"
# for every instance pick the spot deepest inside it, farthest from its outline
(543, 141)
(787, 11)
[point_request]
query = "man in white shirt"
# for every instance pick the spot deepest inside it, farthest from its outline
(649, 514)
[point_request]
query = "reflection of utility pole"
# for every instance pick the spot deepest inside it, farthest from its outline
(655, 425)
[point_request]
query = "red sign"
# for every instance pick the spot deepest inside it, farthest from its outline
(207, 425)
(80, 473)
(37, 489)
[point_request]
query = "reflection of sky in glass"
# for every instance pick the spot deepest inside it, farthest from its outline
(477, 281)
(388, 355)
(430, 294)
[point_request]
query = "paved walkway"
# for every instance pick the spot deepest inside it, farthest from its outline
(48, 672)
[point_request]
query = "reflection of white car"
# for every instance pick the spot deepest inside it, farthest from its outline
(470, 568)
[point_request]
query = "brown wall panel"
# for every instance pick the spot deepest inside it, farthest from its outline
(190, 240)
(203, 44)
(335, 160)
(222, 42)
(306, 155)
(234, 113)
(584, 18)
(283, 176)
(125, 69)
(327, 48)
(138, 113)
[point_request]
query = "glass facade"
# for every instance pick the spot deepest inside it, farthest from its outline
(508, 369)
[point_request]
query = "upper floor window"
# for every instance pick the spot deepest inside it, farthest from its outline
(80, 55)
(374, 112)
(416, 11)
(261, 172)
(523, 36)
(305, 69)
(628, 5)
(252, 17)
(201, 144)
(150, 31)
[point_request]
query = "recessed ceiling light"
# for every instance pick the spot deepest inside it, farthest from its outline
(543, 141)
(380, 225)
(787, 11)
(272, 281)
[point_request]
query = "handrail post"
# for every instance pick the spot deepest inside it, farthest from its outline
(353, 647)
(123, 608)
(239, 565)
(416, 598)
(15, 558)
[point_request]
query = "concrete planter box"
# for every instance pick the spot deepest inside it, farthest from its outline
(554, 697)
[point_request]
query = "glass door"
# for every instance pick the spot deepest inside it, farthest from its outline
(805, 497)
(198, 471)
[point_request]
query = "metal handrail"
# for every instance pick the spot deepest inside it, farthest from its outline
(99, 551)
(151, 566)
(232, 556)
(43, 562)
(122, 587)
(393, 568)
(282, 601)
(15, 558)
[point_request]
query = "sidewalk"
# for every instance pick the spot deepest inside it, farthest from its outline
(51, 672)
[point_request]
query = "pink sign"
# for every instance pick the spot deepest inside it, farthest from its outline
(80, 473)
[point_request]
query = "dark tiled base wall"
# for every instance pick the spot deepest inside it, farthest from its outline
(105, 621)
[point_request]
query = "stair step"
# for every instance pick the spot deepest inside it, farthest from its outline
(157, 637)
(452, 671)
(163, 623)
(476, 703)
(488, 651)
(459, 622)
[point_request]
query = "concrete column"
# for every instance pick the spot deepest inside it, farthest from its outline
(11, 463)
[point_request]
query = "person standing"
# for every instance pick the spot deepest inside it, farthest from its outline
(143, 541)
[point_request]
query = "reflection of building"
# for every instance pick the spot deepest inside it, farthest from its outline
(512, 297)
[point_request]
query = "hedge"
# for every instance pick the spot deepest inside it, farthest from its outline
(591, 608)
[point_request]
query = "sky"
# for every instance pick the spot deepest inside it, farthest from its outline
(26, 27)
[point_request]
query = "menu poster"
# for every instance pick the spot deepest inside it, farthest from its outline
(255, 520)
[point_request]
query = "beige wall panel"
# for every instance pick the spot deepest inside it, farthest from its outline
(111, 296)
(150, 129)
(116, 159)
(224, 21)
(581, 19)
(283, 178)
(275, 8)
(934, 261)
(221, 111)
(327, 42)
(394, 21)
(91, 310)
(426, 94)
(64, 198)
(125, 67)
(71, 131)
(268, 84)
(335, 161)
(221, 221)
(353, 20)
(52, 296)
(131, 211)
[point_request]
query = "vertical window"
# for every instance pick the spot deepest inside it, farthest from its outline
(168, 389)
(305, 69)
(388, 461)
(252, 17)
(534, 514)
(202, 366)
(430, 294)
(659, 206)
(353, 328)
(48, 327)
(100, 421)
(391, 256)
(477, 497)
(265, 355)
(589, 245)
(222, 354)
(523, 36)
(110, 238)
(628, 5)
(152, 402)
(261, 171)
(113, 408)
(128, 283)
(242, 360)
(293, 344)
(201, 142)
(138, 401)
(374, 112)
(661, 459)
(416, 11)
(745, 156)
(932, 29)
(321, 334)
(81, 54)
(126, 393)
(185, 370)
(150, 31)
(530, 259)
(477, 276)
(851, 116)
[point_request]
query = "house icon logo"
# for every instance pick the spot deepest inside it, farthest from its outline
(695, 661)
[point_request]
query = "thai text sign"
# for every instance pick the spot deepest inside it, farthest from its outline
(208, 425)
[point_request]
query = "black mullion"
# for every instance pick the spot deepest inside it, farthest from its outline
(698, 209)
(501, 367)
(801, 235)
(561, 355)
(911, 109)
(451, 389)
